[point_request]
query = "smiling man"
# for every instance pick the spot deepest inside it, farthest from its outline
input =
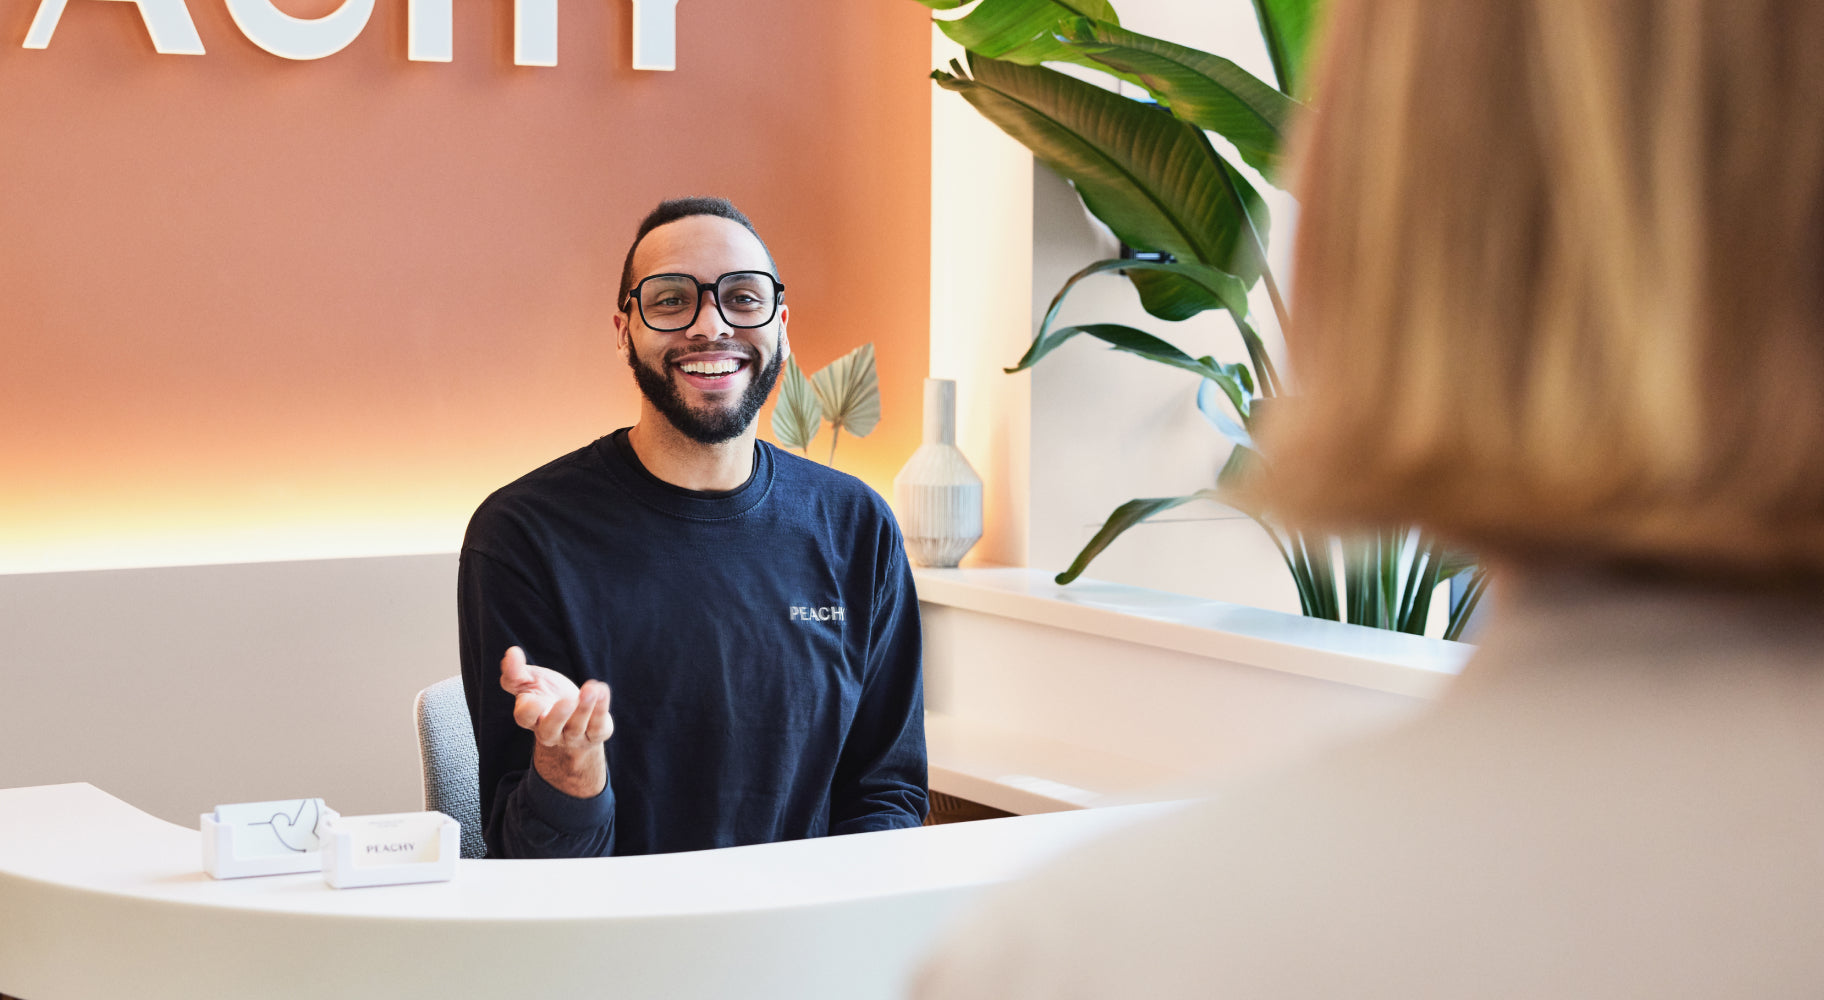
(751, 612)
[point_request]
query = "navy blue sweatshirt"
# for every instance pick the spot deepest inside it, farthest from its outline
(761, 644)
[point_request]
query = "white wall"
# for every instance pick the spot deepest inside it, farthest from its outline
(180, 688)
(981, 316)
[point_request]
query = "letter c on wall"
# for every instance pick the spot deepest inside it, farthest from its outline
(300, 38)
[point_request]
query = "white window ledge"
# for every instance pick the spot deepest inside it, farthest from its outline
(1377, 659)
(1021, 675)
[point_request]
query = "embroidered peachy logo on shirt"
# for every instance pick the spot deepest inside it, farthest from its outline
(831, 614)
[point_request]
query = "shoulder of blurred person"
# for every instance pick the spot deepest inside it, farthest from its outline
(1591, 813)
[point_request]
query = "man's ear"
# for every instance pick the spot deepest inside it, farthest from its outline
(620, 332)
(785, 342)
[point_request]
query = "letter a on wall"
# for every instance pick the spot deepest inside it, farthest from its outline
(167, 21)
(297, 37)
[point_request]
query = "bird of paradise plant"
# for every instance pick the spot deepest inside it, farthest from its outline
(1150, 172)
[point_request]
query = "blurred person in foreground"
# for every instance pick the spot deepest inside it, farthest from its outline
(1560, 298)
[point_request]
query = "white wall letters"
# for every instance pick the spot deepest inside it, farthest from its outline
(430, 29)
(167, 21)
(655, 34)
(300, 38)
(430, 35)
(535, 32)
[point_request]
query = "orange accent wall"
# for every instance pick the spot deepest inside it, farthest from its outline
(253, 308)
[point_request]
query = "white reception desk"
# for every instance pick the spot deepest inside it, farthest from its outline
(100, 900)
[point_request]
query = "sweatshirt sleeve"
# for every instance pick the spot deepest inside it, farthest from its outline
(523, 816)
(880, 781)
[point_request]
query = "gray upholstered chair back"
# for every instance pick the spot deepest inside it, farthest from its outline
(448, 761)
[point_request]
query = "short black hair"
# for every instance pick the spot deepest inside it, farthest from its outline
(673, 209)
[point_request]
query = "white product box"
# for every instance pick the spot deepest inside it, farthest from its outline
(264, 838)
(390, 849)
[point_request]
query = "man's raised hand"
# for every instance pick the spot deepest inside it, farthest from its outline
(569, 724)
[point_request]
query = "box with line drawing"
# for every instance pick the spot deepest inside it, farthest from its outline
(281, 837)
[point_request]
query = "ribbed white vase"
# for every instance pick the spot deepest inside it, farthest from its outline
(937, 494)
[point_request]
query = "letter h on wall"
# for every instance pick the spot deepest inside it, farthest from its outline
(430, 34)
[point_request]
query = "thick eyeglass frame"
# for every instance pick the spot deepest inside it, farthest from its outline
(705, 290)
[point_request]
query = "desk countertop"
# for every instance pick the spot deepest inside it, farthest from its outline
(98, 899)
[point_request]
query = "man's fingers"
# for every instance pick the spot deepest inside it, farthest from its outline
(590, 724)
(515, 676)
(601, 724)
(597, 689)
(528, 708)
(581, 716)
(578, 722)
(550, 729)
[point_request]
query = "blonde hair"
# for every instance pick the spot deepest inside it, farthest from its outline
(1560, 281)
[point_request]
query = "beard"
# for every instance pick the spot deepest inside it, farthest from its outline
(712, 425)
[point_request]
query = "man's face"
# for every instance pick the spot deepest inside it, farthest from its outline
(706, 406)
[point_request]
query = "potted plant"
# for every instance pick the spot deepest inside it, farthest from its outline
(1149, 171)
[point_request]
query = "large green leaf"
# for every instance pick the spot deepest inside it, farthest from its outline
(1142, 344)
(1206, 90)
(1124, 517)
(1288, 27)
(1175, 296)
(1175, 290)
(797, 417)
(1150, 177)
(849, 391)
(943, 4)
(1021, 31)
(1193, 288)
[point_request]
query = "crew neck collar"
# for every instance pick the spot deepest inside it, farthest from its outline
(624, 465)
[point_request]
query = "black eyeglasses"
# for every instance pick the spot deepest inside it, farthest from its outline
(671, 302)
